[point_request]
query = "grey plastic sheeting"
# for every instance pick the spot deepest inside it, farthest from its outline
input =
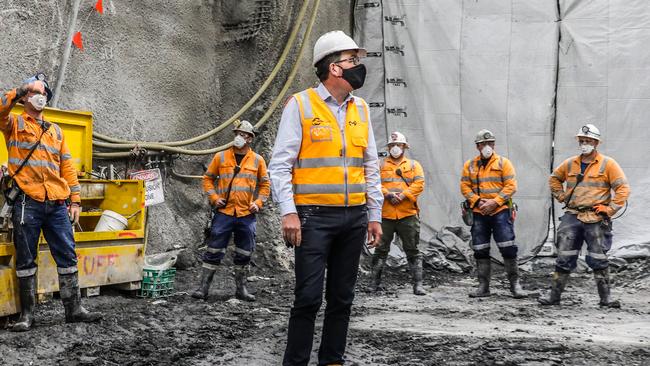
(605, 79)
(468, 65)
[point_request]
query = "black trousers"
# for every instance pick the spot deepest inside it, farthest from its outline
(332, 238)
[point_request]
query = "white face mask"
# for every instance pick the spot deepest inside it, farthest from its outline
(586, 149)
(38, 101)
(487, 151)
(239, 142)
(396, 151)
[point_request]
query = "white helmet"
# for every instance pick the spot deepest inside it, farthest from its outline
(590, 131)
(244, 126)
(335, 41)
(397, 138)
(483, 136)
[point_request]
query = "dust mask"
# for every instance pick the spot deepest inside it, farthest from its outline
(487, 151)
(38, 101)
(586, 149)
(239, 142)
(396, 151)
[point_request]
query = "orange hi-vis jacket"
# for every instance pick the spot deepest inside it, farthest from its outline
(391, 182)
(329, 170)
(496, 180)
(49, 173)
(601, 177)
(252, 177)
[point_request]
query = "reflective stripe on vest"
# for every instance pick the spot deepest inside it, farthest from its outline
(329, 169)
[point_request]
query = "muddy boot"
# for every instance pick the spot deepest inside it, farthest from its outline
(483, 268)
(71, 298)
(602, 282)
(27, 301)
(201, 292)
(512, 271)
(415, 265)
(241, 272)
(377, 269)
(558, 284)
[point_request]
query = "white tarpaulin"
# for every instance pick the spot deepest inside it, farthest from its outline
(605, 80)
(468, 65)
(448, 68)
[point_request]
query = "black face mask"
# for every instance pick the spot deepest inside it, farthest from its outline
(355, 76)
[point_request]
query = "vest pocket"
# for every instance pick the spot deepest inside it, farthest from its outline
(320, 133)
(359, 141)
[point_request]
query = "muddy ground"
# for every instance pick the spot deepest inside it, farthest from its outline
(394, 327)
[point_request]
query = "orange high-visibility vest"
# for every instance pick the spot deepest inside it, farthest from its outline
(391, 182)
(496, 180)
(601, 177)
(329, 169)
(252, 178)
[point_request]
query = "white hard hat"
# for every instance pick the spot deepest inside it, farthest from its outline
(483, 136)
(335, 41)
(244, 126)
(397, 138)
(590, 131)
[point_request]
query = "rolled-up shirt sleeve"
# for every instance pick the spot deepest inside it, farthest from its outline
(374, 197)
(285, 153)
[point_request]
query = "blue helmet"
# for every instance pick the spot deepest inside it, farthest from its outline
(40, 76)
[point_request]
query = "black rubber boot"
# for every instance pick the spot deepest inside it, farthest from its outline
(415, 265)
(558, 284)
(512, 271)
(27, 302)
(241, 273)
(483, 269)
(377, 269)
(71, 298)
(204, 286)
(602, 282)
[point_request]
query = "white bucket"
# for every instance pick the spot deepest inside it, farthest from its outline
(111, 221)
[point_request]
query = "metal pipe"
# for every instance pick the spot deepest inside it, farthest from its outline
(66, 54)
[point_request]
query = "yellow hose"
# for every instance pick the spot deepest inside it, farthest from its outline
(124, 144)
(264, 119)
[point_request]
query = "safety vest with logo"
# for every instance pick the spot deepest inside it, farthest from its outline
(49, 173)
(600, 177)
(494, 180)
(411, 184)
(250, 182)
(329, 169)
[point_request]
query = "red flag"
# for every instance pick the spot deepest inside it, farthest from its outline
(99, 7)
(76, 40)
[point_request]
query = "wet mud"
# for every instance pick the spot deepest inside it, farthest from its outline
(393, 327)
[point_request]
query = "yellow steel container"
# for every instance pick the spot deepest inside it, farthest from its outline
(104, 258)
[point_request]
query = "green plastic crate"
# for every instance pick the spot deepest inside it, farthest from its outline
(157, 283)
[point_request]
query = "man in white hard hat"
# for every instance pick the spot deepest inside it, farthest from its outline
(488, 183)
(237, 186)
(402, 181)
(325, 178)
(590, 179)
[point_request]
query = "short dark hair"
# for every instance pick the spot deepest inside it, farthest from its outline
(323, 66)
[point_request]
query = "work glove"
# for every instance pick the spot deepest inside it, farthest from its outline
(600, 209)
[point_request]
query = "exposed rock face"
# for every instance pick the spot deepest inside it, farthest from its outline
(166, 71)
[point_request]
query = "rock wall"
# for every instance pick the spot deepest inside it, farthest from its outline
(164, 71)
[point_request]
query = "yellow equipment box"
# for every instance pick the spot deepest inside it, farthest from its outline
(104, 257)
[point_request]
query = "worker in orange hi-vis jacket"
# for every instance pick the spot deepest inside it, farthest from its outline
(488, 183)
(46, 196)
(590, 179)
(237, 185)
(402, 182)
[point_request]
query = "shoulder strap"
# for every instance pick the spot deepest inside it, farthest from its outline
(45, 126)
